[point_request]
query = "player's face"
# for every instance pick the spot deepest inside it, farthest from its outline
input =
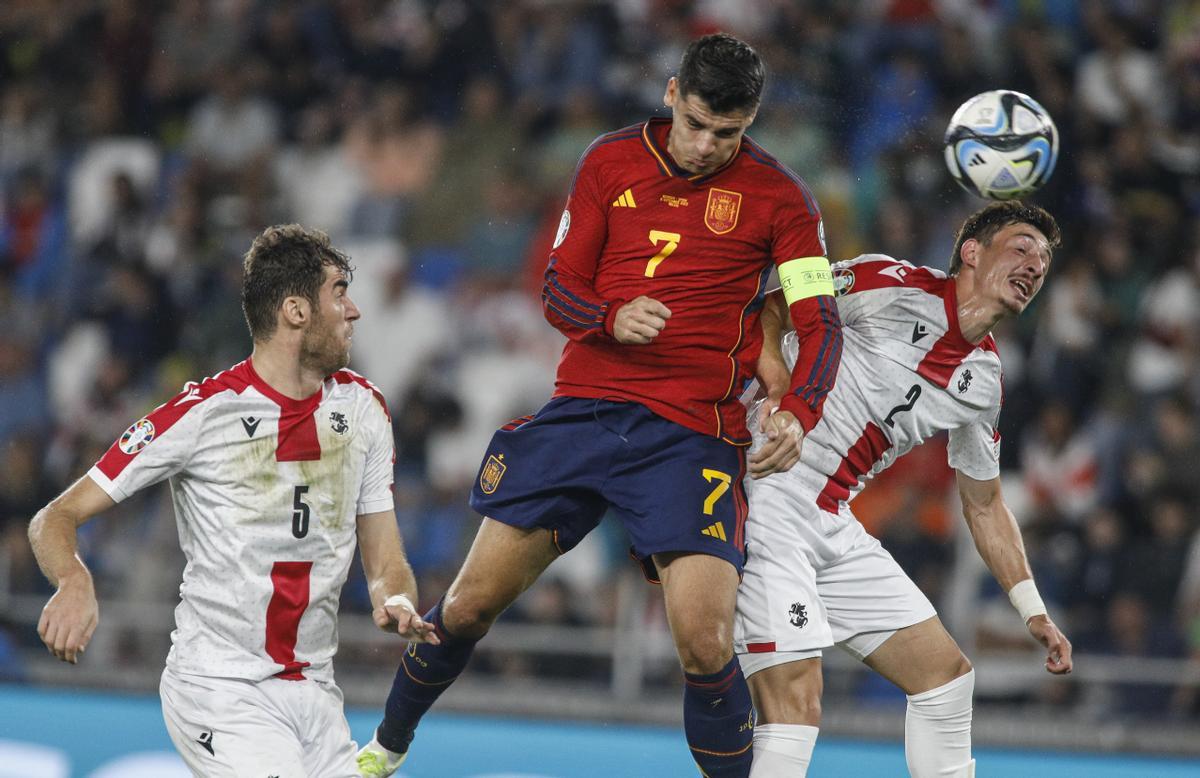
(700, 140)
(326, 344)
(1012, 267)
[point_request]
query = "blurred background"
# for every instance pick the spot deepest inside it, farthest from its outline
(144, 144)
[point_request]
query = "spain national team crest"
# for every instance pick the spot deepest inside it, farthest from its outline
(493, 471)
(721, 215)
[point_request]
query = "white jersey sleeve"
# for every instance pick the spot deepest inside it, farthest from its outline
(154, 448)
(974, 450)
(376, 492)
(855, 309)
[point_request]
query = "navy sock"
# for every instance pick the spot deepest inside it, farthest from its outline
(425, 672)
(718, 721)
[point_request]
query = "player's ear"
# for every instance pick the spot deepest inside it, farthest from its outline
(969, 253)
(295, 311)
(671, 93)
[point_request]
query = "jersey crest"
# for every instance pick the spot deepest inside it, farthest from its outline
(493, 471)
(721, 215)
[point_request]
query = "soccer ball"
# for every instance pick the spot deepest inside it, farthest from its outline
(1001, 144)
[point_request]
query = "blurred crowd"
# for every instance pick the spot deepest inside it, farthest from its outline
(144, 144)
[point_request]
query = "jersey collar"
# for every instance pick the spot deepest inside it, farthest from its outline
(654, 137)
(287, 404)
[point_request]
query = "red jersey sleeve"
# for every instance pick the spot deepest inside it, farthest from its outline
(569, 298)
(799, 233)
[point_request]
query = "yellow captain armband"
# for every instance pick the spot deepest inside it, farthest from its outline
(805, 277)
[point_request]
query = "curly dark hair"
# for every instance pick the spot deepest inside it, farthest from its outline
(724, 72)
(987, 221)
(285, 260)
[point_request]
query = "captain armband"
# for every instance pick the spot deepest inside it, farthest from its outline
(1025, 598)
(805, 277)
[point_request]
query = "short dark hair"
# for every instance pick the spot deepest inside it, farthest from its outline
(987, 221)
(724, 72)
(283, 261)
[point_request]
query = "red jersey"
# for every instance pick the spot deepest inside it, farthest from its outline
(637, 224)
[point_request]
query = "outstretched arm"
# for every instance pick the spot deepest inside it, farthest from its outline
(390, 578)
(72, 613)
(998, 539)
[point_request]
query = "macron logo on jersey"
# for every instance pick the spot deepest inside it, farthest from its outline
(193, 394)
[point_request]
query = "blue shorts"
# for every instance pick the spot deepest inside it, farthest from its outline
(672, 488)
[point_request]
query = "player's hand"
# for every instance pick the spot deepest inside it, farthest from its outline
(783, 444)
(404, 620)
(70, 618)
(1058, 660)
(640, 320)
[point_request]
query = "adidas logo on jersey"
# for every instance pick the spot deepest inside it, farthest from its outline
(625, 200)
(716, 530)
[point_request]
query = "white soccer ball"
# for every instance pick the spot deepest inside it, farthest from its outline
(1001, 144)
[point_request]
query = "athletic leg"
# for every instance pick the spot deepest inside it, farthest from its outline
(928, 665)
(787, 698)
(699, 591)
(503, 562)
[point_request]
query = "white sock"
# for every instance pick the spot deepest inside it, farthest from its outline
(937, 730)
(782, 750)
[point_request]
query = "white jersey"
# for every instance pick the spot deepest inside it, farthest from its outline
(266, 492)
(906, 374)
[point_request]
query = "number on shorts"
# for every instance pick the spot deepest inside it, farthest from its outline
(672, 242)
(723, 480)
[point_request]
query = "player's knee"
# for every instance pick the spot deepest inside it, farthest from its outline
(468, 616)
(789, 694)
(702, 652)
(945, 672)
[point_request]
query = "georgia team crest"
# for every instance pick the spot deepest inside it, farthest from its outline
(493, 471)
(721, 215)
(139, 434)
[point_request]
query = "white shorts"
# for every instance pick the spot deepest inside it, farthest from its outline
(234, 728)
(815, 579)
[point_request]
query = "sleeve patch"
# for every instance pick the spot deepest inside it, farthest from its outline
(137, 437)
(564, 226)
